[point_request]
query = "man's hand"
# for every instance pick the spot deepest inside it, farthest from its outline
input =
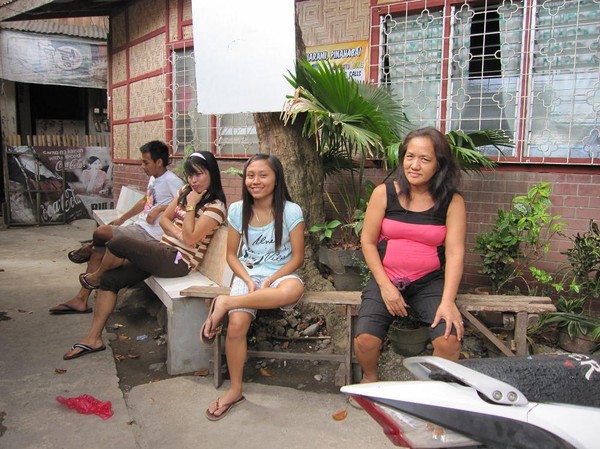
(117, 222)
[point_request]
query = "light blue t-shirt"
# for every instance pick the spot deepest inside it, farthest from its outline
(258, 253)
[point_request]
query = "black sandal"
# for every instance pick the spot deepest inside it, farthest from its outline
(76, 255)
(84, 282)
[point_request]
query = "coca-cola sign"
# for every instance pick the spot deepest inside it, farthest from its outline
(57, 184)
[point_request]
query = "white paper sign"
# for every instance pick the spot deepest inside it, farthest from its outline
(243, 50)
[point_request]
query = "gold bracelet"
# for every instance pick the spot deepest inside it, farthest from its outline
(190, 209)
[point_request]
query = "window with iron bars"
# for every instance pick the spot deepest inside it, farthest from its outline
(529, 68)
(226, 135)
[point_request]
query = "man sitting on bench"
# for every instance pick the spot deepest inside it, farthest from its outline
(162, 188)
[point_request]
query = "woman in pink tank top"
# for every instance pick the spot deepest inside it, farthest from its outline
(413, 241)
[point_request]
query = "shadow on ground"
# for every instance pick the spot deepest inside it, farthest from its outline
(138, 344)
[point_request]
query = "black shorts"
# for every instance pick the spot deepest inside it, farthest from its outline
(423, 297)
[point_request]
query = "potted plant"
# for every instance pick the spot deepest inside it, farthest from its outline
(351, 124)
(519, 238)
(408, 336)
(578, 330)
(341, 253)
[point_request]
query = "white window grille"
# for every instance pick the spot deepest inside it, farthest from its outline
(226, 135)
(412, 51)
(529, 68)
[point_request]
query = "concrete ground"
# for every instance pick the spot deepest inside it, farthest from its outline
(35, 274)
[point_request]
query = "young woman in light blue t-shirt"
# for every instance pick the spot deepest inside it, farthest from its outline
(271, 229)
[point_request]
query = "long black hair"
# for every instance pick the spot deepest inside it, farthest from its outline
(203, 160)
(280, 196)
(444, 183)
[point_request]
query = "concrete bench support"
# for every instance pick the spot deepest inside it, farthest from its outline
(185, 315)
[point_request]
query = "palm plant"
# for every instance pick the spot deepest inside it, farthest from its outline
(353, 122)
(350, 123)
(466, 147)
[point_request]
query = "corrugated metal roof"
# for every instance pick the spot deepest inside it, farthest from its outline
(52, 9)
(58, 27)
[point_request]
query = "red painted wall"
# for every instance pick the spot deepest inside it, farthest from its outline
(130, 174)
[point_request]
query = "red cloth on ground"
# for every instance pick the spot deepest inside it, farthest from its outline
(87, 405)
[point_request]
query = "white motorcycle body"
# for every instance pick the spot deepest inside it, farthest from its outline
(531, 402)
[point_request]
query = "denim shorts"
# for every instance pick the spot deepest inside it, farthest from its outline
(423, 297)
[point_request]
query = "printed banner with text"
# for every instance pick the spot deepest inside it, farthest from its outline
(353, 56)
(37, 175)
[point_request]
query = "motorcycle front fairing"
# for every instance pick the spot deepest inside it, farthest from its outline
(485, 409)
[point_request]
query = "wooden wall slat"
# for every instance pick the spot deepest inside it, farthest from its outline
(40, 140)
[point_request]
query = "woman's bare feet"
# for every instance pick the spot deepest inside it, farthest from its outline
(352, 401)
(218, 314)
(367, 380)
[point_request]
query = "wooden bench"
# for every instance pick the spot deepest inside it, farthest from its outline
(187, 302)
(518, 311)
(349, 301)
(128, 197)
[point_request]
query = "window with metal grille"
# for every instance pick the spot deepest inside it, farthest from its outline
(529, 68)
(226, 135)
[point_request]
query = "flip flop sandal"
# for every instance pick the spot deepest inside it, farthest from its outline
(208, 322)
(75, 256)
(212, 417)
(68, 310)
(84, 282)
(85, 350)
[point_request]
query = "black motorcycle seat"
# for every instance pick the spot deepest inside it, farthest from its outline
(561, 378)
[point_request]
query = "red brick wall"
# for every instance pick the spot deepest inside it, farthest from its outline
(232, 184)
(574, 197)
(128, 175)
(132, 174)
